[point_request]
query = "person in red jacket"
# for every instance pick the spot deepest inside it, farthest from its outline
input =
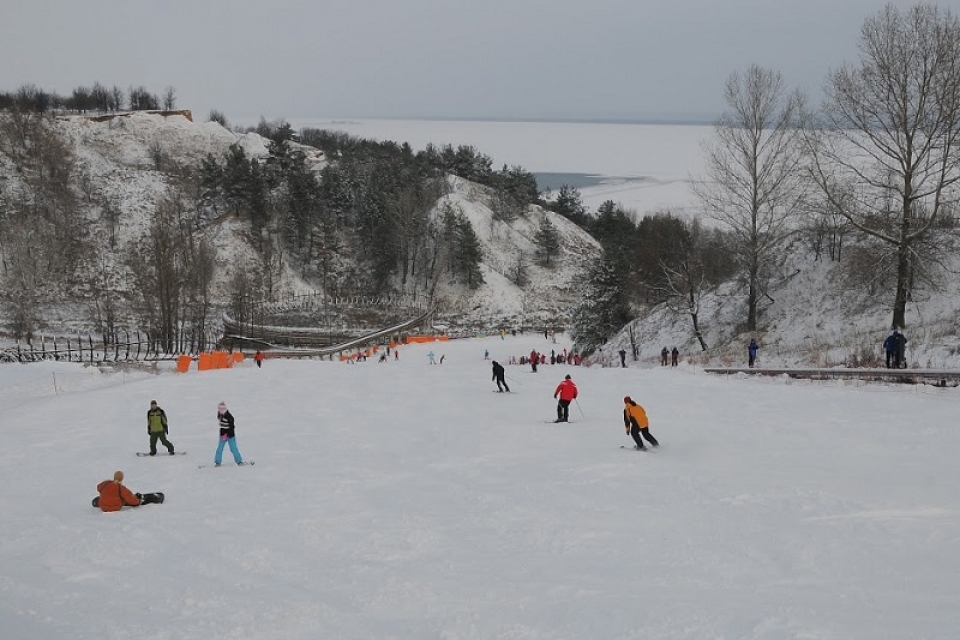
(567, 391)
(114, 496)
(258, 358)
(636, 423)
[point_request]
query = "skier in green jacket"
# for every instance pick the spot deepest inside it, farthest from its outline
(157, 428)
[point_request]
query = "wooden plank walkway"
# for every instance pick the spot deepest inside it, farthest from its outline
(936, 377)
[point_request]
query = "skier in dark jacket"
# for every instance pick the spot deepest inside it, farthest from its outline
(752, 351)
(890, 348)
(900, 359)
(157, 428)
(498, 375)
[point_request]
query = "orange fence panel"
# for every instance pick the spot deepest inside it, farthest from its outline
(205, 362)
(183, 363)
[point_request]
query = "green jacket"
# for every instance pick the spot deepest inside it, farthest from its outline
(156, 421)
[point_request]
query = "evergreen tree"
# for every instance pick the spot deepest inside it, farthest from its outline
(569, 204)
(465, 251)
(548, 243)
(603, 309)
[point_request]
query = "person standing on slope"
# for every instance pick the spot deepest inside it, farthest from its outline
(228, 435)
(157, 428)
(567, 391)
(498, 375)
(636, 423)
(752, 349)
(258, 358)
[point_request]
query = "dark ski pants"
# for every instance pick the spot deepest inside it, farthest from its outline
(890, 356)
(563, 411)
(501, 381)
(636, 432)
(162, 437)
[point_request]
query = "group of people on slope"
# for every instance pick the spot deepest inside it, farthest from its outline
(113, 495)
(634, 416)
(895, 346)
(672, 356)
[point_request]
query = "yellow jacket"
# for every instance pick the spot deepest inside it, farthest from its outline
(632, 412)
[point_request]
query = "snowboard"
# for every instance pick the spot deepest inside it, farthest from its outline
(160, 454)
(632, 448)
(245, 463)
(145, 498)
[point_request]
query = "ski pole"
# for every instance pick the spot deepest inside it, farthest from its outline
(578, 407)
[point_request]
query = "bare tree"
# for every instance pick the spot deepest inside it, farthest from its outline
(887, 154)
(169, 99)
(754, 184)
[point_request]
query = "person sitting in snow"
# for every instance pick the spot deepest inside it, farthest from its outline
(636, 423)
(114, 496)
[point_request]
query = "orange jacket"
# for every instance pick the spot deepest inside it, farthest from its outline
(634, 412)
(114, 496)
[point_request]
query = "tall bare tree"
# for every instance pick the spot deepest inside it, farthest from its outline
(754, 185)
(887, 154)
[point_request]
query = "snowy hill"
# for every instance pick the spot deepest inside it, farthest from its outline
(125, 166)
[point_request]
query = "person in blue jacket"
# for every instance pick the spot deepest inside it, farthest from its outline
(752, 351)
(890, 347)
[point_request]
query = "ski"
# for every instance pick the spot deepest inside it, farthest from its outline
(645, 449)
(558, 421)
(144, 454)
(245, 463)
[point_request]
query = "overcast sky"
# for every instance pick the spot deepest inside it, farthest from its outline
(557, 59)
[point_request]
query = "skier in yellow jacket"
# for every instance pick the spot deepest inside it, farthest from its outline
(636, 423)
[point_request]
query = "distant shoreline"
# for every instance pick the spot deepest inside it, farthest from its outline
(617, 121)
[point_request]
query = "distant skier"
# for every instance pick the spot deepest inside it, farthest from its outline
(433, 357)
(623, 358)
(258, 358)
(567, 391)
(890, 348)
(228, 435)
(498, 376)
(752, 349)
(636, 423)
(664, 354)
(900, 359)
(674, 357)
(157, 428)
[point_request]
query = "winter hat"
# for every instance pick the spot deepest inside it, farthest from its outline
(222, 407)
(567, 377)
(627, 400)
(118, 476)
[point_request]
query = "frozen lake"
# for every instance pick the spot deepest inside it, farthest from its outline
(642, 167)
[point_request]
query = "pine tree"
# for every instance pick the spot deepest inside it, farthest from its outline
(603, 308)
(548, 243)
